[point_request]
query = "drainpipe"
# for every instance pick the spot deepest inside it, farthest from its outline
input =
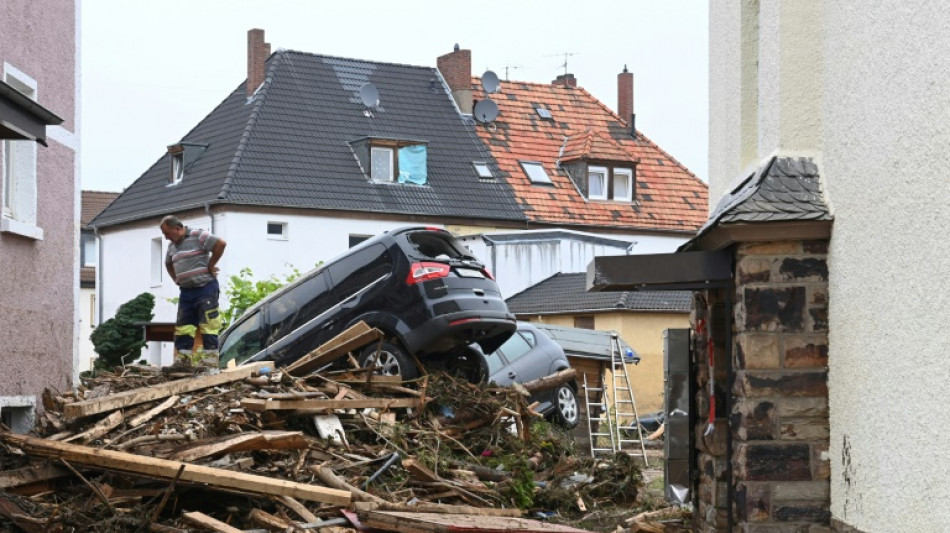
(208, 212)
(98, 291)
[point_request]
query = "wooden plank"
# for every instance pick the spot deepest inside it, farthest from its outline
(356, 336)
(410, 522)
(161, 390)
(256, 404)
(101, 427)
(549, 382)
(30, 474)
(204, 521)
(242, 442)
(167, 469)
(427, 507)
(148, 415)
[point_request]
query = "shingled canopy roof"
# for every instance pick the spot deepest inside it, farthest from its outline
(290, 146)
(567, 293)
(668, 196)
(784, 191)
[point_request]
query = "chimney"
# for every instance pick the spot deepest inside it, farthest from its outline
(625, 99)
(456, 68)
(567, 80)
(257, 53)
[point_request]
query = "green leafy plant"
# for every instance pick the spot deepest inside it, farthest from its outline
(119, 337)
(243, 291)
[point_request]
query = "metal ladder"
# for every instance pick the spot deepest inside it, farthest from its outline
(617, 431)
(625, 409)
(602, 416)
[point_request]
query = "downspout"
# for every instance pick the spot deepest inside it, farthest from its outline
(99, 266)
(210, 216)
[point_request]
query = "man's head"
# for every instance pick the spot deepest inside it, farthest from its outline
(172, 228)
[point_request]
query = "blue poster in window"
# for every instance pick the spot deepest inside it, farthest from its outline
(412, 164)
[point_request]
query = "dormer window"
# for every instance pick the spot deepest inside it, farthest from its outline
(610, 183)
(178, 168)
(381, 164)
(393, 160)
(183, 155)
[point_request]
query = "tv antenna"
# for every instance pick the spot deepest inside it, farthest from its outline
(566, 55)
(512, 67)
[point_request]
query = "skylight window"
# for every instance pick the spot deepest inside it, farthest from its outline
(482, 170)
(544, 113)
(535, 172)
(178, 168)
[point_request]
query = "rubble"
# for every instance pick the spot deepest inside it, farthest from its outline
(259, 449)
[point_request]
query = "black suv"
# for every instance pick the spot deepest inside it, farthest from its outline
(418, 285)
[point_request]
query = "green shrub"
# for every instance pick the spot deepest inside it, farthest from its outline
(118, 338)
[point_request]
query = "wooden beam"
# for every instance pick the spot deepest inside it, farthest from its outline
(356, 336)
(30, 474)
(159, 391)
(206, 522)
(101, 427)
(217, 478)
(415, 522)
(148, 415)
(427, 507)
(242, 442)
(549, 382)
(256, 404)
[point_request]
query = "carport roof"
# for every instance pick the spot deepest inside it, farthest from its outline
(566, 293)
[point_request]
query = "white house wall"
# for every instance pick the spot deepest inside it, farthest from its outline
(127, 254)
(880, 121)
(518, 265)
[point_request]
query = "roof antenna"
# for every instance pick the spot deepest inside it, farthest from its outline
(566, 55)
(512, 67)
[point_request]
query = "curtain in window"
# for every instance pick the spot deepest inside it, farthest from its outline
(412, 164)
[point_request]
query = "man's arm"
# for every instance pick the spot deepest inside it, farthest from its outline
(216, 254)
(171, 272)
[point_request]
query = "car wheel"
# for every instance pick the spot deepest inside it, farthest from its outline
(566, 411)
(469, 364)
(391, 359)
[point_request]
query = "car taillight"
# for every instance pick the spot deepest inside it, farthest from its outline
(488, 274)
(420, 272)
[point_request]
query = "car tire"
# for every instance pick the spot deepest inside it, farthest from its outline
(392, 360)
(469, 364)
(566, 408)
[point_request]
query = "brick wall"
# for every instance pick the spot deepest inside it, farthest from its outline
(778, 413)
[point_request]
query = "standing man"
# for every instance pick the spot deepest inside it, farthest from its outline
(191, 262)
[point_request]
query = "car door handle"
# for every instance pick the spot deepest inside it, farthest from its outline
(479, 292)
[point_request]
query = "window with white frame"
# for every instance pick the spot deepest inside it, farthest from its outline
(88, 249)
(178, 168)
(277, 231)
(597, 183)
(623, 184)
(158, 261)
(381, 163)
(19, 186)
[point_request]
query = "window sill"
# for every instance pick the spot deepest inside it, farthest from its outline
(9, 225)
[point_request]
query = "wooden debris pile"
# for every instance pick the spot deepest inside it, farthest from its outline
(257, 449)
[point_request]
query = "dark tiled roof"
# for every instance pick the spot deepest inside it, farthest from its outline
(784, 189)
(290, 147)
(669, 197)
(93, 202)
(566, 293)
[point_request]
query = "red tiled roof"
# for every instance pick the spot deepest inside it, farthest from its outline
(668, 196)
(93, 202)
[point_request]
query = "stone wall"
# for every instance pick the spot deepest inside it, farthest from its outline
(778, 409)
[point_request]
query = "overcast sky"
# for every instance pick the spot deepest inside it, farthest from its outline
(152, 70)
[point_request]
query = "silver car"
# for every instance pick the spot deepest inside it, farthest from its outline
(527, 355)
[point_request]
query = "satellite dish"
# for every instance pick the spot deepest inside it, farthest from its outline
(369, 95)
(486, 110)
(490, 82)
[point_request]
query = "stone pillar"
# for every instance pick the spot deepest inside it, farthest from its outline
(779, 415)
(777, 476)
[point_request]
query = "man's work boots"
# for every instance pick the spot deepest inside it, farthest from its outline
(207, 359)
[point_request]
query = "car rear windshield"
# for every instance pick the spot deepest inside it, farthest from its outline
(437, 245)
